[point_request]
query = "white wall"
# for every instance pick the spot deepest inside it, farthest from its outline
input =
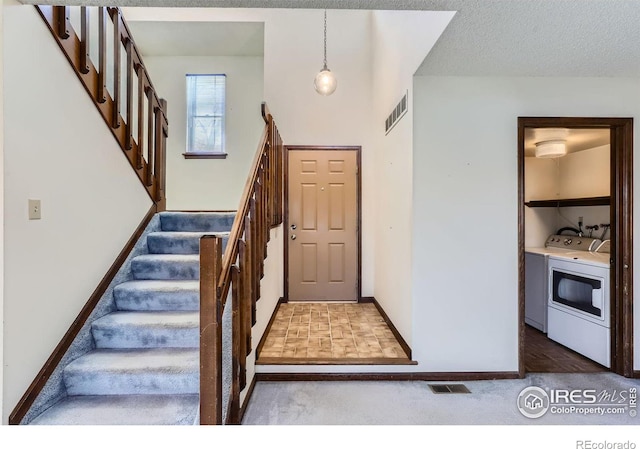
(541, 178)
(56, 149)
(271, 292)
(293, 46)
(415, 33)
(592, 215)
(1, 204)
(195, 184)
(585, 174)
(465, 208)
(580, 174)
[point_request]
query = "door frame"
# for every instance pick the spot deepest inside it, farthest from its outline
(621, 211)
(358, 150)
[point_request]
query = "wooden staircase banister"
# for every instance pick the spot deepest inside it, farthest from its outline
(240, 270)
(231, 252)
(75, 45)
(152, 110)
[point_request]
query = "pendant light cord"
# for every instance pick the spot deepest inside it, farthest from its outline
(325, 39)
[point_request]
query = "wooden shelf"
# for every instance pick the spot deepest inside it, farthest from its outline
(571, 202)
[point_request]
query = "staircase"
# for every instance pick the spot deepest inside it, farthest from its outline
(144, 368)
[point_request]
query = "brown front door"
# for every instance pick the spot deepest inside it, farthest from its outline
(323, 225)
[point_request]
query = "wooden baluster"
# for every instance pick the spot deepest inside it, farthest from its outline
(158, 154)
(265, 203)
(129, 96)
(150, 135)
(269, 178)
(244, 312)
(259, 224)
(61, 19)
(141, 98)
(247, 301)
(210, 331)
(280, 179)
(273, 176)
(264, 214)
(102, 55)
(163, 141)
(115, 17)
(255, 279)
(236, 352)
(278, 194)
(84, 40)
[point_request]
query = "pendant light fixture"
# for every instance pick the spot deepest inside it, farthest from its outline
(325, 82)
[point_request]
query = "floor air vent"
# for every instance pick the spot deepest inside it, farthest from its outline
(448, 388)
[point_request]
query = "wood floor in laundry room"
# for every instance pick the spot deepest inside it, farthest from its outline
(330, 333)
(543, 355)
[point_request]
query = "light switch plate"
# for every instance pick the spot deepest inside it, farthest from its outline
(34, 210)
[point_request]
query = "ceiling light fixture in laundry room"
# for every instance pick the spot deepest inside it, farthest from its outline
(551, 142)
(325, 82)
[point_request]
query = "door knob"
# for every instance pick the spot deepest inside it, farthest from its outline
(293, 236)
(293, 226)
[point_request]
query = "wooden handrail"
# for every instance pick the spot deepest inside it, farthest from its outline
(241, 269)
(231, 251)
(93, 75)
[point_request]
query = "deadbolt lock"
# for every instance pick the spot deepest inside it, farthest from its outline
(293, 226)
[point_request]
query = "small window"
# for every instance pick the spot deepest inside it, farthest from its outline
(205, 116)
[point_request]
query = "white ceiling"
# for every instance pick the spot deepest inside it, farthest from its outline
(199, 38)
(495, 37)
(577, 140)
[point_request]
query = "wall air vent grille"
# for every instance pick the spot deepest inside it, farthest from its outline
(398, 112)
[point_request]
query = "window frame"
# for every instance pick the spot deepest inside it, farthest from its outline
(189, 153)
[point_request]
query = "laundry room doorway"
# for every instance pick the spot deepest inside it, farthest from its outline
(575, 188)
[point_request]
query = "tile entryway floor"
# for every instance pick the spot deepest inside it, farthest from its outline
(330, 333)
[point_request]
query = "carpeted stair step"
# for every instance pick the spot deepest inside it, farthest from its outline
(134, 371)
(166, 266)
(197, 221)
(157, 295)
(179, 242)
(128, 330)
(123, 410)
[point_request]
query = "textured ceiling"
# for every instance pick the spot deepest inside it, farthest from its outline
(540, 38)
(429, 5)
(496, 37)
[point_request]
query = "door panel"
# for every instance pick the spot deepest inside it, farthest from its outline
(323, 220)
(309, 198)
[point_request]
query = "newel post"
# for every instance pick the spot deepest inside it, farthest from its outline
(210, 331)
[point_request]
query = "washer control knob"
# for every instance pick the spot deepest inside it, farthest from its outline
(567, 242)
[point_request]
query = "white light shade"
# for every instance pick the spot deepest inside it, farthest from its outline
(551, 149)
(325, 82)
